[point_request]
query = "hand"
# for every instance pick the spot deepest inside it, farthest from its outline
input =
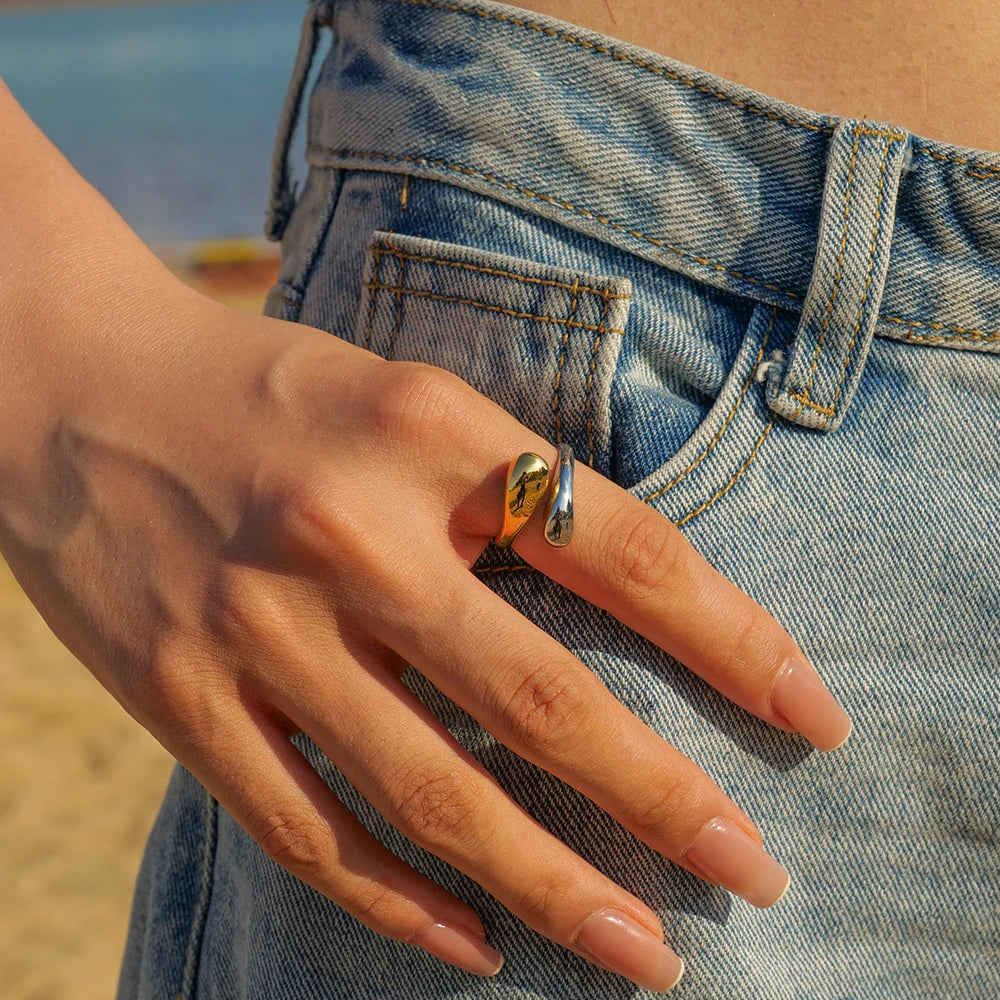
(231, 517)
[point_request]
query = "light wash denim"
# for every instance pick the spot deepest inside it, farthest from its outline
(779, 329)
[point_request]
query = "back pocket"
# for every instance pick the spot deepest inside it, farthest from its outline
(541, 341)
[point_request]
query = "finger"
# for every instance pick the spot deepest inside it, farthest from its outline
(630, 560)
(404, 761)
(627, 558)
(543, 703)
(272, 791)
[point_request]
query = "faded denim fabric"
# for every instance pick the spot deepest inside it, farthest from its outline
(779, 329)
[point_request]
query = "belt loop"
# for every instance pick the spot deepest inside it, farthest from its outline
(282, 195)
(827, 357)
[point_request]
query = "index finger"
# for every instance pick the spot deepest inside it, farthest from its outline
(633, 562)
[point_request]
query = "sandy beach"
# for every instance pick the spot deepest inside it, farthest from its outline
(81, 785)
(81, 781)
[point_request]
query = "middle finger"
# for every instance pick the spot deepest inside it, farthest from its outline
(549, 708)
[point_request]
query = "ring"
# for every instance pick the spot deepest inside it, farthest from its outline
(559, 516)
(527, 485)
(527, 479)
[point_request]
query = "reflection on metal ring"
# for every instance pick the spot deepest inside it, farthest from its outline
(559, 515)
(527, 479)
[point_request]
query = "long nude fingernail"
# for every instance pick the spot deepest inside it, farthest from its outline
(620, 943)
(726, 854)
(460, 947)
(802, 700)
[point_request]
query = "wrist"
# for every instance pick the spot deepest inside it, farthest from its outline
(71, 271)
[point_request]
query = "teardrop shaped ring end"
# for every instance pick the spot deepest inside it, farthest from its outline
(559, 513)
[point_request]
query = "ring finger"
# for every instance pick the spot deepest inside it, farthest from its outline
(403, 760)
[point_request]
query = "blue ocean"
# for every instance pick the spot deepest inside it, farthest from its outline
(168, 109)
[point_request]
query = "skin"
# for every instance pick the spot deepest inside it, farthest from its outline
(926, 66)
(202, 504)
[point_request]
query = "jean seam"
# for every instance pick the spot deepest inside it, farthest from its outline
(500, 272)
(588, 405)
(557, 379)
(747, 462)
(976, 168)
(960, 332)
(189, 975)
(391, 350)
(490, 307)
(372, 286)
(299, 281)
(735, 478)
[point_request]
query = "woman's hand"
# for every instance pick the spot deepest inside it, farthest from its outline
(233, 520)
(234, 523)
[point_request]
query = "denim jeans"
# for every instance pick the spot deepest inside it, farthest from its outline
(780, 330)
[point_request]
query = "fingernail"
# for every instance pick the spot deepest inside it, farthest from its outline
(802, 700)
(625, 946)
(460, 947)
(724, 853)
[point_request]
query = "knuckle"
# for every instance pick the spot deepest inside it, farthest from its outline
(546, 710)
(376, 908)
(740, 652)
(647, 560)
(438, 809)
(416, 400)
(303, 512)
(240, 607)
(670, 801)
(181, 682)
(540, 903)
(295, 839)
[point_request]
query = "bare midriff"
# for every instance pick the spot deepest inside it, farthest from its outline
(932, 67)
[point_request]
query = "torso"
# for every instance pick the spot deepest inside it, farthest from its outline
(932, 68)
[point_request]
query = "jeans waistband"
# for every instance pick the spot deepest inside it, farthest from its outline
(858, 226)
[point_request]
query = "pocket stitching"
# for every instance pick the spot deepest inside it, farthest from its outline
(380, 247)
(588, 408)
(557, 380)
(391, 350)
(430, 162)
(466, 266)
(739, 472)
(377, 250)
(490, 307)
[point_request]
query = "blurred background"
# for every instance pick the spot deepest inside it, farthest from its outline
(169, 109)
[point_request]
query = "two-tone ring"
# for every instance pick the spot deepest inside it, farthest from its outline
(528, 485)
